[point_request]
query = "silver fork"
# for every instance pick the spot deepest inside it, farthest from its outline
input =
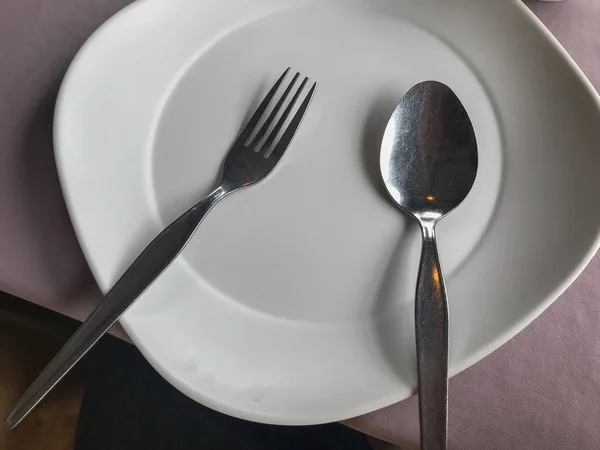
(253, 156)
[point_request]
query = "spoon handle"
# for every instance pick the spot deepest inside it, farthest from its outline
(431, 324)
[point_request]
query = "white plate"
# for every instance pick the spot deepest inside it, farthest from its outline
(293, 304)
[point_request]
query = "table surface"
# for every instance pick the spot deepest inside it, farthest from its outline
(549, 402)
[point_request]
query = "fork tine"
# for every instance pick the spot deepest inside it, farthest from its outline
(255, 119)
(290, 131)
(273, 114)
(284, 116)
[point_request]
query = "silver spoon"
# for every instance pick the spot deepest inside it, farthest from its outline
(429, 164)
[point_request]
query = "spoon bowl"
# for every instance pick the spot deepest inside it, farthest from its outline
(429, 152)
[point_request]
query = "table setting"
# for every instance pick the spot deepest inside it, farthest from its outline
(319, 295)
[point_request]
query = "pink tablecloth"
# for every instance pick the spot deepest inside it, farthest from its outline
(541, 391)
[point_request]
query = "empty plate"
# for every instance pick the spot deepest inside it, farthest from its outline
(293, 304)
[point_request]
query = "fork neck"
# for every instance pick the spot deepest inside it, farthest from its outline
(227, 185)
(220, 192)
(198, 212)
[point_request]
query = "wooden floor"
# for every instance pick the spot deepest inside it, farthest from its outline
(29, 337)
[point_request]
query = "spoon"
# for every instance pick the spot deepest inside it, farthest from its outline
(429, 164)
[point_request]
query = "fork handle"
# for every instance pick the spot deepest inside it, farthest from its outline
(155, 258)
(431, 324)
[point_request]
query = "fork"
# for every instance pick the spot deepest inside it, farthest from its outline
(253, 156)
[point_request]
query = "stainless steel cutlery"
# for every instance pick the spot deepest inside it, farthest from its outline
(429, 163)
(253, 156)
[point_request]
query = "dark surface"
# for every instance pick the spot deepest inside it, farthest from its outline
(128, 406)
